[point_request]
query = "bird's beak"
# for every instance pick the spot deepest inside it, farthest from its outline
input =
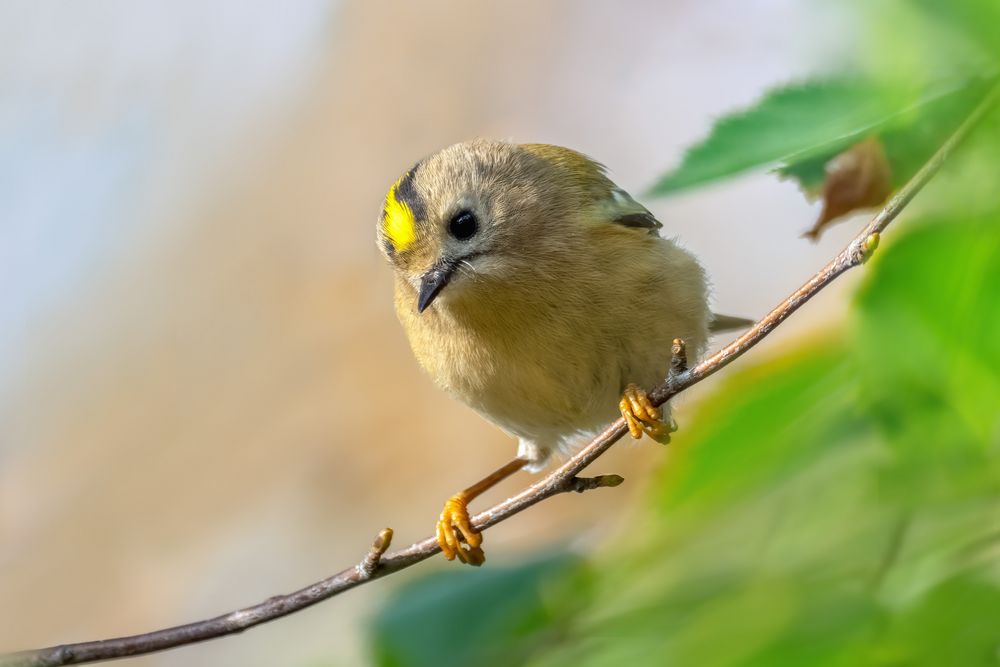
(433, 282)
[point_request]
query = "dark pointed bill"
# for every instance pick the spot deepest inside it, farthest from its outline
(433, 282)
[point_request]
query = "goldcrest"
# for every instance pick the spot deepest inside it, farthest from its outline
(542, 295)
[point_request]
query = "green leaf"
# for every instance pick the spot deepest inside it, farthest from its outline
(909, 139)
(798, 129)
(467, 616)
(798, 120)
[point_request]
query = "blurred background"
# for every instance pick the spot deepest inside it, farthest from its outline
(196, 330)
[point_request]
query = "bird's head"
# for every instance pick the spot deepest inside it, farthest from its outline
(473, 215)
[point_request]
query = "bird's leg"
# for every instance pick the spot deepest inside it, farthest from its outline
(643, 417)
(454, 525)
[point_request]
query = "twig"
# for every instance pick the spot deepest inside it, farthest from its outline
(581, 484)
(561, 480)
(371, 562)
(678, 362)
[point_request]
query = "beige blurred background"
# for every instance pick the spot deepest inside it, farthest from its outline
(196, 334)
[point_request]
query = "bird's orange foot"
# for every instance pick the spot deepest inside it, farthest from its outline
(643, 417)
(454, 527)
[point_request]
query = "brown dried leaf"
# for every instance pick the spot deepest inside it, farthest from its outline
(860, 177)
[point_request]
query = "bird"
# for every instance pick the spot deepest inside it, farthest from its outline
(542, 295)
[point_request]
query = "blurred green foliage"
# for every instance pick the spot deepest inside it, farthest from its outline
(833, 504)
(973, 21)
(441, 611)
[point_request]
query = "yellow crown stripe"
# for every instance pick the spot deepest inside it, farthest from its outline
(399, 224)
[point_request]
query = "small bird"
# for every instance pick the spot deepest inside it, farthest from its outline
(538, 292)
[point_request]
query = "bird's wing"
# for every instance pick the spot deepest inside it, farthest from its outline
(614, 204)
(623, 210)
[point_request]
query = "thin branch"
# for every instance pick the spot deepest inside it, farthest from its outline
(375, 564)
(378, 564)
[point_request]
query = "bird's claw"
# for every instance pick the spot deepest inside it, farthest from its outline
(642, 416)
(454, 527)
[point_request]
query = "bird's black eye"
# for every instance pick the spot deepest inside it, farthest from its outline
(463, 225)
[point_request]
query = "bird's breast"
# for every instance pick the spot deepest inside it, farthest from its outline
(525, 369)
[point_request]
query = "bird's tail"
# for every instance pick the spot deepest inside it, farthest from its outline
(722, 323)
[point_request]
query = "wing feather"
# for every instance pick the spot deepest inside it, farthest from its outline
(623, 210)
(616, 205)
